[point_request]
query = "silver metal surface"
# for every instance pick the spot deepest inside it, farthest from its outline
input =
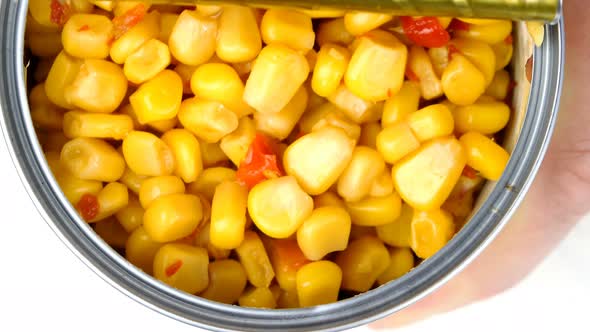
(501, 200)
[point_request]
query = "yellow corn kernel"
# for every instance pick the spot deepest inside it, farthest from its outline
(236, 145)
(187, 153)
(209, 179)
(40, 10)
(255, 260)
(159, 98)
(140, 250)
(362, 262)
(44, 44)
(288, 27)
(462, 82)
(358, 23)
(398, 232)
(182, 266)
(478, 53)
(326, 230)
(172, 217)
(357, 109)
(483, 117)
(537, 31)
(401, 262)
(62, 73)
(383, 184)
(159, 186)
(397, 141)
(357, 178)
(329, 69)
(318, 159)
(286, 258)
(281, 124)
(131, 216)
(430, 231)
(243, 68)
(426, 178)
(227, 281)
(459, 205)
(419, 63)
(258, 298)
(439, 57)
(54, 141)
(104, 5)
(192, 40)
(238, 38)
(73, 187)
(279, 206)
(328, 199)
(87, 36)
(314, 114)
(212, 154)
(167, 22)
(121, 7)
(336, 119)
(146, 29)
(132, 180)
(92, 159)
(288, 300)
(491, 33)
(46, 115)
(376, 69)
(228, 215)
(186, 73)
(147, 61)
(112, 198)
(146, 154)
(399, 106)
(163, 126)
(220, 82)
(99, 86)
(500, 85)
(369, 132)
(82, 124)
(111, 232)
(375, 211)
(209, 10)
(503, 52)
(276, 66)
(431, 122)
(334, 32)
(128, 110)
(323, 13)
(484, 155)
(318, 283)
(312, 58)
(208, 120)
(202, 240)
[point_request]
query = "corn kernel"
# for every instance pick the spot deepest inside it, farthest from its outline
(73, 187)
(82, 124)
(192, 40)
(62, 73)
(212, 154)
(328, 199)
(209, 10)
(44, 44)
(140, 250)
(236, 145)
(401, 262)
(503, 52)
(431, 122)
(111, 232)
(362, 262)
(484, 155)
(288, 300)
(334, 32)
(182, 266)
(146, 154)
(255, 260)
(376, 69)
(112, 198)
(159, 186)
(491, 33)
(419, 63)
(132, 180)
(258, 298)
(462, 82)
(323, 13)
(167, 22)
(398, 232)
(45, 114)
(276, 66)
(159, 98)
(227, 281)
(375, 211)
(107, 6)
(500, 85)
(483, 117)
(87, 36)
(369, 132)
(92, 159)
(243, 68)
(206, 119)
(238, 39)
(209, 179)
(358, 23)
(330, 67)
(186, 73)
(318, 283)
(357, 109)
(228, 215)
(147, 61)
(131, 216)
(202, 240)
(478, 53)
(357, 178)
(187, 154)
(121, 7)
(439, 57)
(281, 124)
(172, 217)
(288, 27)
(430, 231)
(336, 119)
(314, 114)
(397, 141)
(383, 184)
(146, 29)
(286, 258)
(399, 106)
(326, 230)
(460, 206)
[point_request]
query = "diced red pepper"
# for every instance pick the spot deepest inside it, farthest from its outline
(60, 12)
(288, 255)
(411, 75)
(85, 27)
(425, 31)
(458, 25)
(469, 172)
(173, 268)
(260, 163)
(88, 206)
(122, 23)
(509, 40)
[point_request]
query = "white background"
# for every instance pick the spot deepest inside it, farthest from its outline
(43, 286)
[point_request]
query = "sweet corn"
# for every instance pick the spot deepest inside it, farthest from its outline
(281, 124)
(159, 186)
(425, 179)
(358, 23)
(212, 154)
(333, 32)
(288, 27)
(419, 63)
(140, 250)
(318, 159)
(62, 73)
(167, 22)
(192, 40)
(209, 179)
(258, 298)
(397, 141)
(107, 6)
(439, 57)
(172, 217)
(243, 68)
(82, 124)
(491, 33)
(227, 281)
(462, 82)
(46, 115)
(128, 110)
(208, 120)
(430, 231)
(375, 211)
(112, 198)
(146, 154)
(87, 36)
(279, 206)
(483, 117)
(202, 240)
(329, 69)
(132, 180)
(286, 258)
(336, 119)
(369, 132)
(182, 266)
(121, 7)
(209, 10)
(503, 52)
(40, 10)
(357, 109)
(220, 82)
(314, 114)
(323, 13)
(399, 106)
(238, 38)
(484, 155)
(146, 29)
(326, 230)
(357, 178)
(186, 73)
(228, 215)
(318, 283)
(431, 122)
(99, 86)
(187, 154)
(362, 262)
(163, 126)
(500, 85)
(111, 232)
(74, 188)
(92, 159)
(376, 69)
(460, 206)
(147, 61)
(398, 232)
(159, 98)
(478, 53)
(44, 44)
(401, 262)
(383, 184)
(236, 145)
(328, 199)
(131, 216)
(255, 260)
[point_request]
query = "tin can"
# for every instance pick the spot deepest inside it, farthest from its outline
(536, 108)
